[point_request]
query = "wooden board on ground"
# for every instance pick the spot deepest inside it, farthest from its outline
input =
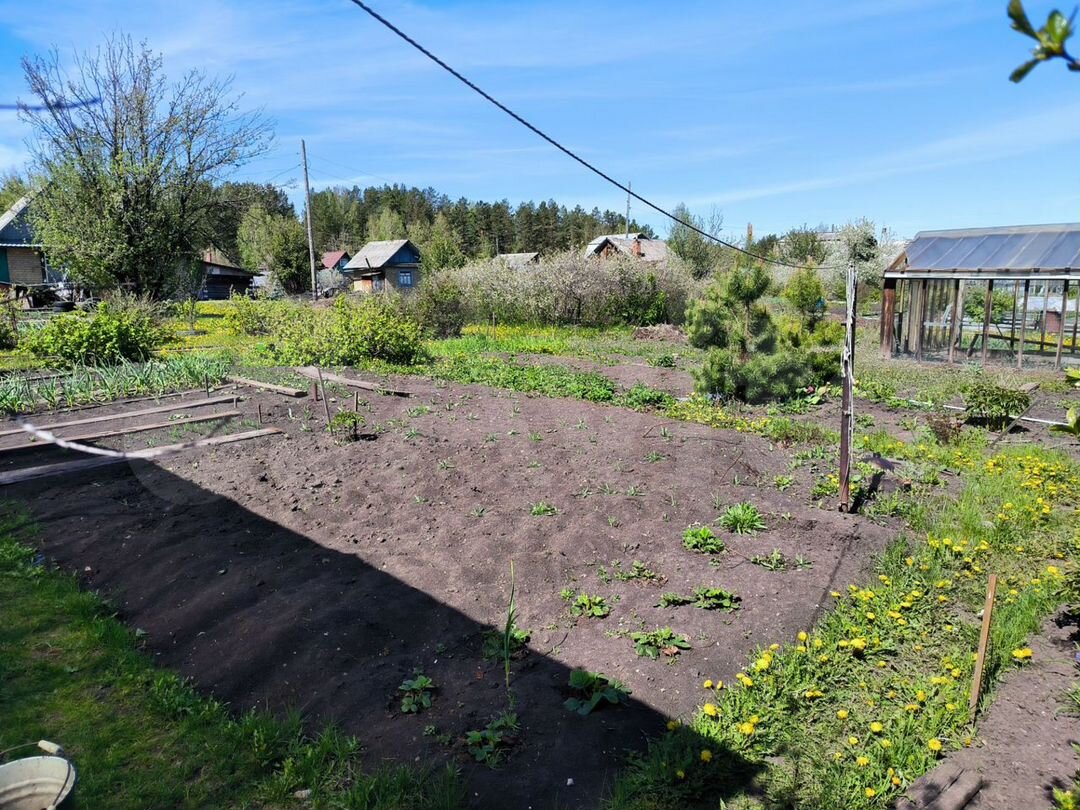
(313, 373)
(105, 434)
(90, 420)
(49, 470)
(277, 389)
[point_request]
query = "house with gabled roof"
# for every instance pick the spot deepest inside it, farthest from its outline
(335, 260)
(391, 264)
(637, 245)
(519, 261)
(21, 259)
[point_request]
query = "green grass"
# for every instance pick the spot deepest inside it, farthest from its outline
(141, 737)
(865, 702)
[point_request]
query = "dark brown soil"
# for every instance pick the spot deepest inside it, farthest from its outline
(1024, 748)
(295, 571)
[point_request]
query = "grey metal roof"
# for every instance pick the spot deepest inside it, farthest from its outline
(1024, 248)
(652, 250)
(377, 254)
(519, 259)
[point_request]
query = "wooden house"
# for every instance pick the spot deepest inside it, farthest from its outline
(519, 261)
(21, 259)
(393, 264)
(223, 278)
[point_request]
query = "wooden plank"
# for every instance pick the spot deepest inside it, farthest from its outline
(987, 313)
(984, 640)
(312, 373)
(105, 434)
(888, 318)
(277, 389)
(847, 406)
(91, 420)
(1076, 321)
(50, 470)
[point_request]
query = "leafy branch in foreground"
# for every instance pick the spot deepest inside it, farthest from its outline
(1051, 39)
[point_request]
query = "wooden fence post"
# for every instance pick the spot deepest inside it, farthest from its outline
(847, 407)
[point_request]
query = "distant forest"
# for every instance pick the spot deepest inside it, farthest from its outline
(347, 218)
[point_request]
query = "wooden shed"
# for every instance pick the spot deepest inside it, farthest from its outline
(393, 263)
(1004, 292)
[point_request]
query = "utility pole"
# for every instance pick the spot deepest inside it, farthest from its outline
(628, 187)
(310, 240)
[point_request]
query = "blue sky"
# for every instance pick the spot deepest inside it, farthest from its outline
(896, 110)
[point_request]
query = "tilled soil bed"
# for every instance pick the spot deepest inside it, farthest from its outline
(307, 572)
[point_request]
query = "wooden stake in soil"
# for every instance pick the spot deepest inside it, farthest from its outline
(356, 402)
(984, 640)
(325, 399)
(260, 413)
(847, 406)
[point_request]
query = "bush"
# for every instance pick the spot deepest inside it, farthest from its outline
(987, 400)
(120, 329)
(252, 316)
(439, 306)
(345, 334)
(751, 358)
(9, 335)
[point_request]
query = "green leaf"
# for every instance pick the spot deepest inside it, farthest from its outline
(1059, 30)
(1020, 21)
(1021, 72)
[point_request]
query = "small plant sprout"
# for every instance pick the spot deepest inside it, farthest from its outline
(488, 745)
(416, 693)
(704, 598)
(652, 457)
(635, 491)
(702, 540)
(588, 606)
(535, 436)
(613, 521)
(774, 561)
(742, 518)
(349, 423)
(478, 512)
(662, 641)
(542, 509)
(639, 572)
(783, 482)
(594, 689)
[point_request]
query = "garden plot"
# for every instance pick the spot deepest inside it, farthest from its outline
(317, 573)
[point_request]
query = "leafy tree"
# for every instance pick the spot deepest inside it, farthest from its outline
(805, 292)
(236, 199)
(128, 195)
(275, 243)
(804, 246)
(689, 245)
(12, 189)
(386, 224)
(440, 251)
(1050, 39)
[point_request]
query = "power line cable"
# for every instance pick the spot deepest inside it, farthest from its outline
(361, 172)
(566, 150)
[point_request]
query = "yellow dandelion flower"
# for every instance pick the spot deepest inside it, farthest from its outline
(802, 636)
(886, 743)
(672, 725)
(680, 773)
(746, 729)
(710, 709)
(707, 685)
(876, 727)
(1022, 654)
(706, 755)
(870, 793)
(862, 762)
(934, 744)
(853, 740)
(842, 714)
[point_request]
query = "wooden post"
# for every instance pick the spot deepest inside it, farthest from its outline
(888, 317)
(206, 381)
(325, 400)
(987, 312)
(957, 305)
(984, 640)
(1042, 325)
(1012, 324)
(847, 406)
(1023, 323)
(1076, 321)
(260, 413)
(356, 402)
(921, 319)
(1061, 327)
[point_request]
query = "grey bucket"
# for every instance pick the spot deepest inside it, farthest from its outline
(35, 783)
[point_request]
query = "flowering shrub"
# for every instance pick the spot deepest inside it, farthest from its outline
(112, 333)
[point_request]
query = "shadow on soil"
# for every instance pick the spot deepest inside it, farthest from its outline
(262, 616)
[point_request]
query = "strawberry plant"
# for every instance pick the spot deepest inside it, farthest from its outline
(583, 604)
(702, 540)
(489, 744)
(662, 641)
(594, 688)
(417, 693)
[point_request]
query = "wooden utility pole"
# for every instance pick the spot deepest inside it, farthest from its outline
(310, 239)
(847, 403)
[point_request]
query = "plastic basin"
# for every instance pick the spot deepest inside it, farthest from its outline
(35, 783)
